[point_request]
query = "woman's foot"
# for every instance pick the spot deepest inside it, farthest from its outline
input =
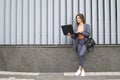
(78, 72)
(83, 72)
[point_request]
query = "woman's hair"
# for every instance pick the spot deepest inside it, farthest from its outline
(81, 17)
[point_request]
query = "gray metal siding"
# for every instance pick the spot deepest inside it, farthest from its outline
(39, 21)
(118, 22)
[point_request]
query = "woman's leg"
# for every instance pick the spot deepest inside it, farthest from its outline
(81, 55)
(81, 51)
(80, 67)
(81, 60)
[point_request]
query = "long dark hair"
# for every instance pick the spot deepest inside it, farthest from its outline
(81, 17)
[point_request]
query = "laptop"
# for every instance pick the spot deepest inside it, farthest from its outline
(67, 29)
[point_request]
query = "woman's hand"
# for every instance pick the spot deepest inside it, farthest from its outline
(69, 35)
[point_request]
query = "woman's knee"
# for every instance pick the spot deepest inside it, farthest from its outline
(81, 54)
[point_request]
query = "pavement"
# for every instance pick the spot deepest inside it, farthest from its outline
(5, 75)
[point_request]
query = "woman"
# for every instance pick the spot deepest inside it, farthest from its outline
(82, 31)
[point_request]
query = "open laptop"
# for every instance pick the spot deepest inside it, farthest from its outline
(67, 29)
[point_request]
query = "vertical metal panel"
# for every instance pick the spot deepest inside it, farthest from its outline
(44, 21)
(113, 22)
(69, 17)
(82, 5)
(118, 21)
(50, 22)
(7, 21)
(31, 22)
(88, 13)
(107, 22)
(19, 22)
(63, 38)
(56, 21)
(25, 22)
(101, 33)
(94, 19)
(13, 21)
(39, 21)
(2, 21)
(75, 11)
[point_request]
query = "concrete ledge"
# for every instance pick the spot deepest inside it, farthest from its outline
(49, 46)
(60, 74)
(19, 73)
(95, 73)
(59, 58)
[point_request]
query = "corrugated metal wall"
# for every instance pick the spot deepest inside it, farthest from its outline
(39, 21)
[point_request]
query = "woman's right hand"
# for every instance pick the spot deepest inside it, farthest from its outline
(69, 35)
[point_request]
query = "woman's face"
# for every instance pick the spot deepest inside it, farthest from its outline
(78, 19)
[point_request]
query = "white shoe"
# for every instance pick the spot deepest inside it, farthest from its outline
(83, 73)
(78, 72)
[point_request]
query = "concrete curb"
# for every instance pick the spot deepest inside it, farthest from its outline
(19, 73)
(64, 73)
(95, 73)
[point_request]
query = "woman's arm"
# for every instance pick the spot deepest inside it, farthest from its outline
(72, 36)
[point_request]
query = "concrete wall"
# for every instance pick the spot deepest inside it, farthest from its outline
(57, 58)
